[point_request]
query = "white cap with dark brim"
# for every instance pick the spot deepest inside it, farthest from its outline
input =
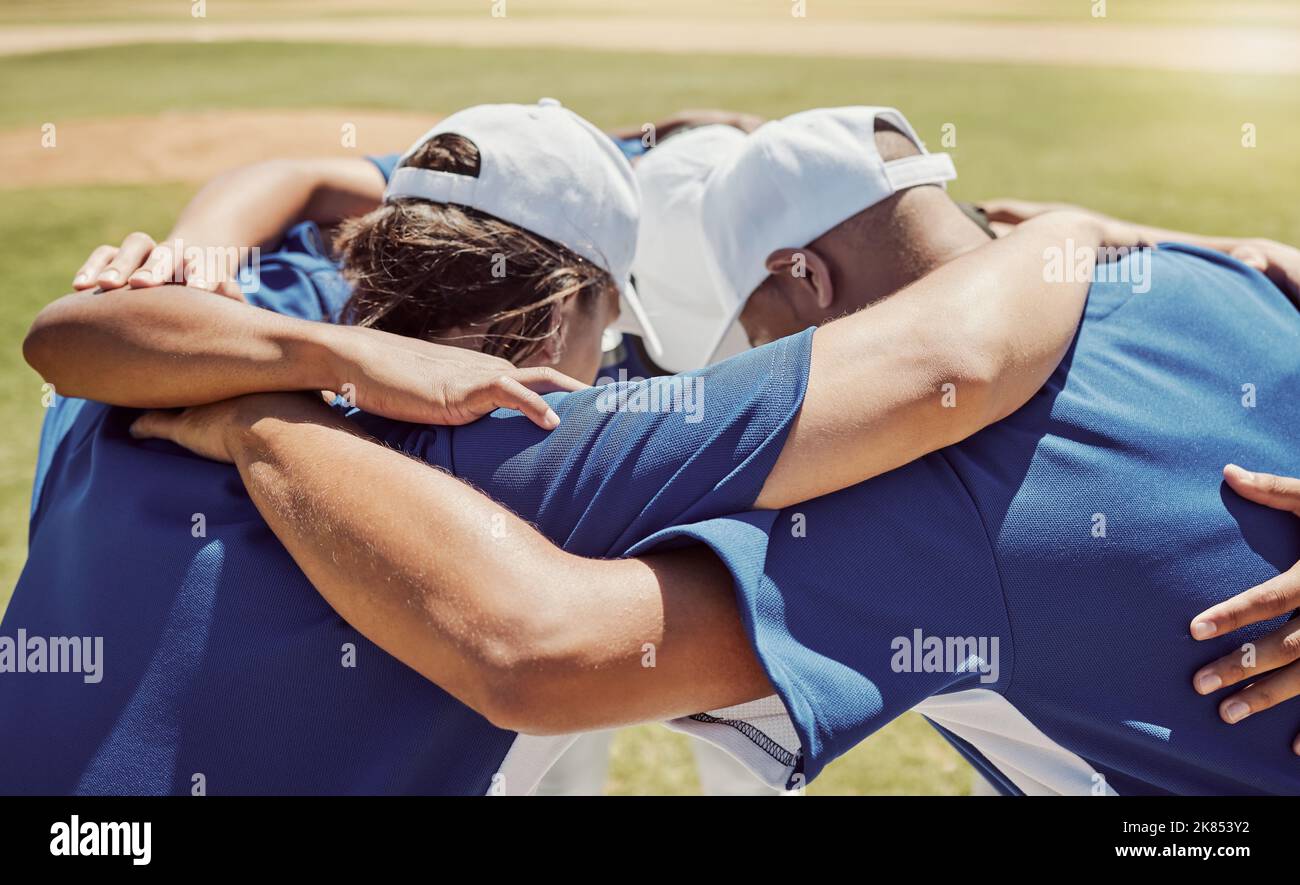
(546, 170)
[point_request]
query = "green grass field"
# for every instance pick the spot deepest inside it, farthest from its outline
(1181, 12)
(1161, 147)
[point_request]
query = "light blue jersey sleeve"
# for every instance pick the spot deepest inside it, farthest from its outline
(300, 278)
(385, 163)
(860, 605)
(632, 147)
(633, 458)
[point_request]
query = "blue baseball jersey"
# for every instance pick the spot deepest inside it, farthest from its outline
(223, 670)
(386, 164)
(1030, 590)
(633, 147)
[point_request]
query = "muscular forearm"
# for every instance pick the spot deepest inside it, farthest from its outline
(172, 346)
(1153, 234)
(476, 600)
(1013, 211)
(929, 366)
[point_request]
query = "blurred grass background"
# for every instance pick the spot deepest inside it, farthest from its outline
(1157, 146)
(1180, 12)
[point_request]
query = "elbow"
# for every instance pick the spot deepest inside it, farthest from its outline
(975, 375)
(72, 338)
(56, 345)
(527, 668)
(993, 380)
(512, 703)
(41, 344)
(521, 688)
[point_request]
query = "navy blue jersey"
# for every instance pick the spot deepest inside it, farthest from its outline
(223, 670)
(1030, 590)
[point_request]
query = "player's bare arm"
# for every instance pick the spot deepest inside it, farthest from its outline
(985, 329)
(251, 206)
(1278, 261)
(254, 205)
(277, 442)
(178, 346)
(535, 639)
(987, 323)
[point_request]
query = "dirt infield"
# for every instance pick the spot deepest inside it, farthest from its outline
(1089, 42)
(192, 146)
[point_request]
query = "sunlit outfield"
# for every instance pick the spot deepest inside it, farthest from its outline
(1159, 146)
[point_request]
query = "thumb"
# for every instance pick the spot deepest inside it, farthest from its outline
(230, 289)
(196, 277)
(1251, 257)
(154, 425)
(1279, 492)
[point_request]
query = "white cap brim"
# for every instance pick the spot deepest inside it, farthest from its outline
(632, 319)
(723, 328)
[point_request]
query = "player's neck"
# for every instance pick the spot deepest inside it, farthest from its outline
(926, 232)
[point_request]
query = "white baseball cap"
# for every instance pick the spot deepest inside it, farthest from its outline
(672, 266)
(714, 206)
(545, 169)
